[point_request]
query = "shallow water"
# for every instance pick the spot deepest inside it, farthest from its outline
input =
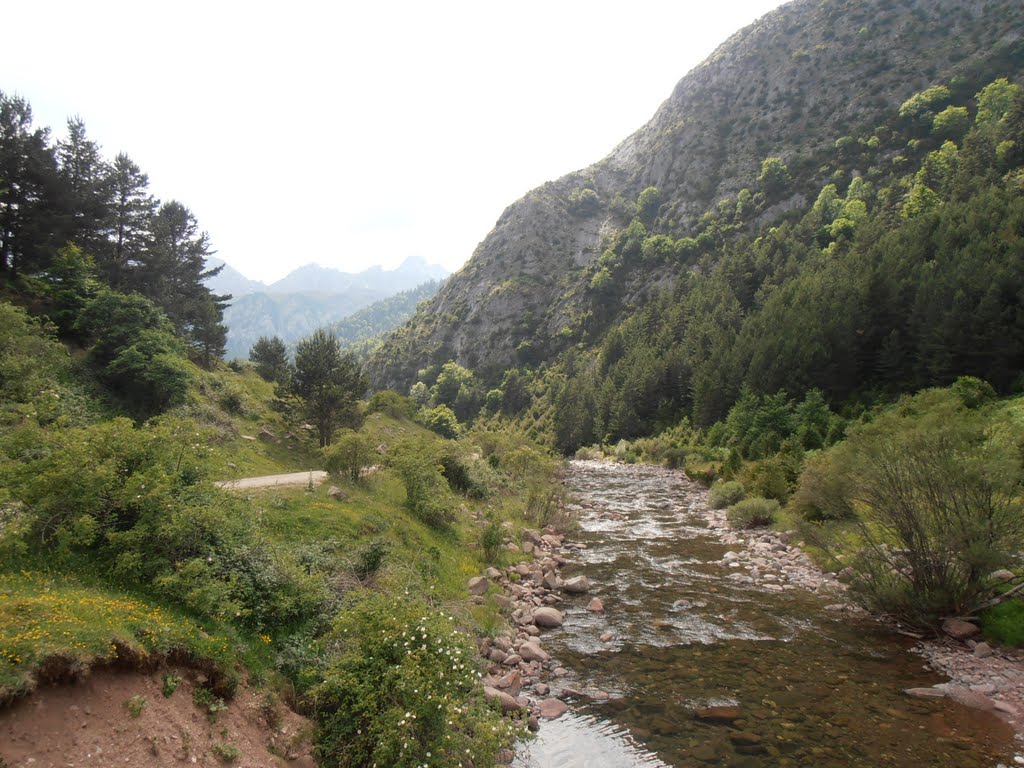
(812, 689)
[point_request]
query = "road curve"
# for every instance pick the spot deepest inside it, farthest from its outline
(270, 481)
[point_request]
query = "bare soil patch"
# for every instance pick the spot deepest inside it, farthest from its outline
(121, 718)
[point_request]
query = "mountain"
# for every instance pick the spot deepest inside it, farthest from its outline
(382, 316)
(311, 297)
(230, 281)
(812, 85)
(312, 277)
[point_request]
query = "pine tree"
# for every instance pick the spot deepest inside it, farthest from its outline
(29, 208)
(127, 225)
(328, 383)
(84, 176)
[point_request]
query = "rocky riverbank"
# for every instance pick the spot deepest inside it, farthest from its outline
(522, 677)
(980, 676)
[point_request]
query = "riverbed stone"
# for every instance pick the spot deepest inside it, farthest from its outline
(595, 605)
(983, 650)
(551, 709)
(502, 699)
(548, 617)
(720, 714)
(531, 651)
(531, 535)
(576, 585)
(477, 585)
(959, 629)
(925, 693)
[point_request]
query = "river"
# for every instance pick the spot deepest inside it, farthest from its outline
(779, 680)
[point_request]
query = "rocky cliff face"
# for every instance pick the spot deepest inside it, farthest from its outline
(789, 85)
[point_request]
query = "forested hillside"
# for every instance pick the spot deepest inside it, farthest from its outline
(872, 252)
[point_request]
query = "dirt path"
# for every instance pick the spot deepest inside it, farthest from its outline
(269, 481)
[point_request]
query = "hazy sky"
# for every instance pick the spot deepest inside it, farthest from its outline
(351, 134)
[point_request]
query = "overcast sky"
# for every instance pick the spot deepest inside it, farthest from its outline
(351, 134)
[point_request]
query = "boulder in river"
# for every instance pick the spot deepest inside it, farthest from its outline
(547, 617)
(531, 651)
(576, 585)
(727, 714)
(553, 708)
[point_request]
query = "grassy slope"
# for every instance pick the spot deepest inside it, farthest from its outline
(54, 622)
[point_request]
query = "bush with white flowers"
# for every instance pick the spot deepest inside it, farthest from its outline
(401, 689)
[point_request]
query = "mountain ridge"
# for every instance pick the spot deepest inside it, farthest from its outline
(310, 297)
(789, 86)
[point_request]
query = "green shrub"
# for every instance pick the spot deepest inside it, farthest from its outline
(392, 404)
(427, 495)
(400, 689)
(471, 477)
(209, 702)
(772, 478)
(170, 685)
(442, 420)
(350, 453)
(1004, 623)
(936, 491)
(725, 494)
(752, 513)
(674, 458)
(135, 705)
(370, 558)
(973, 392)
(226, 752)
(490, 542)
(822, 493)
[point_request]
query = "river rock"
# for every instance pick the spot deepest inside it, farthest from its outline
(717, 714)
(532, 536)
(925, 693)
(548, 617)
(595, 605)
(551, 709)
(1001, 575)
(606, 637)
(512, 659)
(576, 585)
(492, 573)
(552, 540)
(502, 699)
(959, 629)
(983, 650)
(477, 585)
(497, 655)
(337, 494)
(744, 739)
(512, 682)
(530, 651)
(542, 689)
(550, 580)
